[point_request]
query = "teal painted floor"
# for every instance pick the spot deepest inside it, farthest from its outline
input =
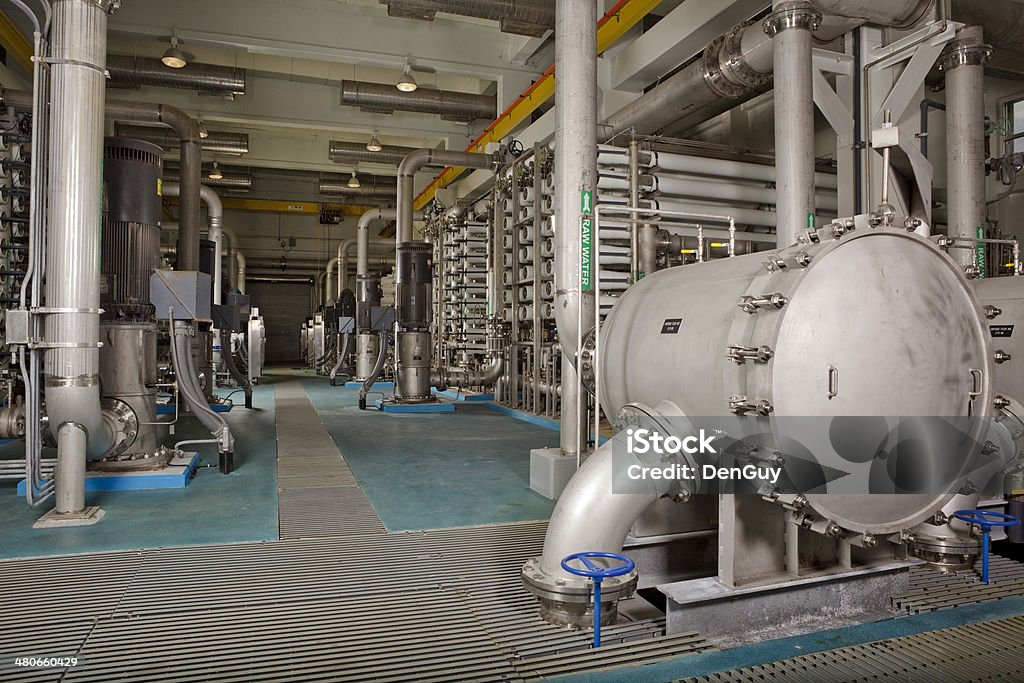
(433, 471)
(213, 508)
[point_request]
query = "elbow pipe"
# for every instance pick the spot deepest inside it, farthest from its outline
(328, 280)
(343, 256)
(595, 513)
(232, 249)
(215, 213)
(342, 355)
(464, 377)
(406, 179)
(378, 367)
(188, 131)
(592, 514)
(193, 393)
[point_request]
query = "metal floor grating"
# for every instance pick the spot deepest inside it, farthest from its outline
(317, 493)
(986, 651)
(327, 511)
(931, 590)
(441, 605)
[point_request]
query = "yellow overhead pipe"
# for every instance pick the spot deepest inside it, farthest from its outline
(612, 26)
(16, 44)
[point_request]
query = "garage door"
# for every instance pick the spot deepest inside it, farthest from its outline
(284, 306)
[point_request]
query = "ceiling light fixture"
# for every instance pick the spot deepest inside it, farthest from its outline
(173, 57)
(203, 133)
(215, 172)
(353, 182)
(407, 83)
(374, 144)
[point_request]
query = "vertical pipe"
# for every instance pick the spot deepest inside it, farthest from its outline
(71, 447)
(191, 184)
(73, 241)
(240, 270)
(963, 62)
(576, 173)
(790, 25)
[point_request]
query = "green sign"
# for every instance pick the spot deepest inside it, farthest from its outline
(810, 220)
(586, 253)
(979, 253)
(586, 202)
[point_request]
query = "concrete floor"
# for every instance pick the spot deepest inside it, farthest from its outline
(213, 508)
(475, 472)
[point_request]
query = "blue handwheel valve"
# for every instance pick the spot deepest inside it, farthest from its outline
(619, 566)
(985, 520)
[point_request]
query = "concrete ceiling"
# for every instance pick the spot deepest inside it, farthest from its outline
(298, 51)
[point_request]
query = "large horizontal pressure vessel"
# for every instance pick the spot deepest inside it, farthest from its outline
(875, 323)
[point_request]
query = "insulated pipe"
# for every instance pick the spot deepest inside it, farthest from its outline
(229, 180)
(370, 186)
(963, 62)
(576, 171)
(71, 364)
(407, 176)
(451, 105)
(217, 141)
(790, 25)
(1002, 20)
(524, 17)
(352, 152)
(206, 78)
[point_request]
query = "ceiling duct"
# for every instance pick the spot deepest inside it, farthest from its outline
(218, 142)
(353, 152)
(370, 187)
(384, 97)
(524, 17)
(230, 180)
(209, 79)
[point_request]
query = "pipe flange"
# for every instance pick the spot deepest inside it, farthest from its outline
(964, 52)
(735, 68)
(123, 424)
(799, 14)
(715, 76)
(568, 601)
(946, 553)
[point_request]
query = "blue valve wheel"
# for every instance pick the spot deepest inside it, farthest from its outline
(985, 520)
(592, 571)
(597, 574)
